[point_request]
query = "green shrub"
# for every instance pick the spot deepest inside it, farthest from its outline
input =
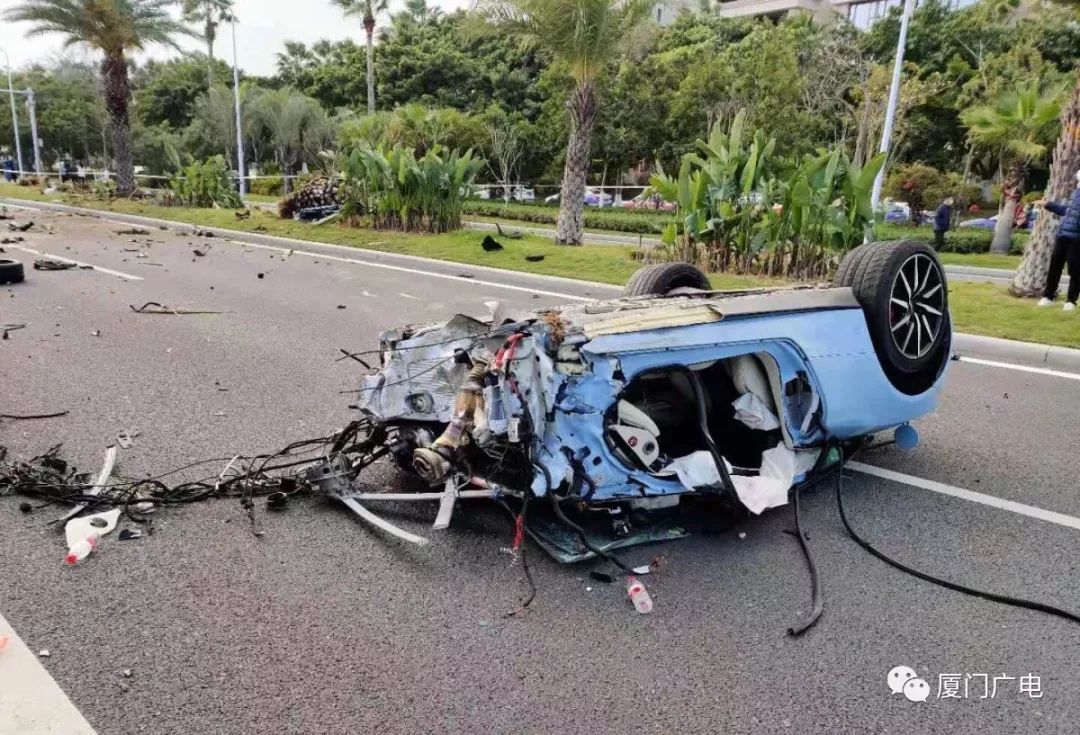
(269, 186)
(400, 191)
(207, 184)
(619, 220)
(957, 240)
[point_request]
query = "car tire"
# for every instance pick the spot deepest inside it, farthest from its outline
(846, 272)
(11, 271)
(662, 279)
(904, 294)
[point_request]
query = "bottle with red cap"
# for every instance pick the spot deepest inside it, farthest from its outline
(81, 550)
(638, 595)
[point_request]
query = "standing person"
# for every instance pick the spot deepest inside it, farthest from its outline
(9, 169)
(942, 222)
(1066, 248)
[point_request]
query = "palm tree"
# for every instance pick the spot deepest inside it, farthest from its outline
(585, 34)
(211, 14)
(113, 27)
(421, 13)
(296, 126)
(366, 10)
(1030, 278)
(1017, 127)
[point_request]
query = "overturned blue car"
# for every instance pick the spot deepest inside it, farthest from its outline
(628, 420)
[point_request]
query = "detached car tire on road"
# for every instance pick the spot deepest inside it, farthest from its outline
(11, 271)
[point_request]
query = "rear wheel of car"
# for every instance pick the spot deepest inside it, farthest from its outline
(11, 271)
(902, 289)
(662, 279)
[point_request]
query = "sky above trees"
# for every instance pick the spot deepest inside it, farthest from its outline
(264, 27)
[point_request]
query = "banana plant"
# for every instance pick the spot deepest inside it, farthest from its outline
(733, 212)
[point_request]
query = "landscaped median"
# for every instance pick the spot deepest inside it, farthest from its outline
(978, 308)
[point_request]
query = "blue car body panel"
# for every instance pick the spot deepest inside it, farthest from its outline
(831, 348)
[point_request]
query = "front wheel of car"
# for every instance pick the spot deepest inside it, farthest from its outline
(664, 279)
(902, 289)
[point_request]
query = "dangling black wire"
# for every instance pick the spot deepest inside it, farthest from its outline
(815, 584)
(993, 597)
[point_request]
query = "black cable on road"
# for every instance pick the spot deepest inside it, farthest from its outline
(956, 587)
(818, 601)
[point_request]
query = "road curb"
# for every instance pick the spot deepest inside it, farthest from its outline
(967, 345)
(1007, 350)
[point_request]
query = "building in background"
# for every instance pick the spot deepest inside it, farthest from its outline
(861, 13)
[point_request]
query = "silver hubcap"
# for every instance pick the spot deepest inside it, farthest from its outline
(916, 306)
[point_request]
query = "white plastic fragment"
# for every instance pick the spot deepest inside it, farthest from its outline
(779, 468)
(752, 411)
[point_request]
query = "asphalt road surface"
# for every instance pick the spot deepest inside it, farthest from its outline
(324, 625)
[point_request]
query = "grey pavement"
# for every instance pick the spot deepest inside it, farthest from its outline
(325, 626)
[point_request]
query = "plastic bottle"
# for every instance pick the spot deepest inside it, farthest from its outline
(81, 550)
(638, 595)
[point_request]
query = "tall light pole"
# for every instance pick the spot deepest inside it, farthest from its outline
(894, 98)
(236, 101)
(31, 110)
(14, 112)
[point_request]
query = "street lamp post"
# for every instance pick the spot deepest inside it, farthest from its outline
(31, 111)
(894, 98)
(14, 111)
(239, 128)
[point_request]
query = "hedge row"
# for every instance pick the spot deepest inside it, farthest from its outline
(618, 220)
(957, 240)
(638, 222)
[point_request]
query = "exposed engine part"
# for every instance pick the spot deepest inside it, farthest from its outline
(433, 462)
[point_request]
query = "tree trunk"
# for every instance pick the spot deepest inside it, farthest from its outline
(117, 95)
(1012, 188)
(1030, 277)
(369, 27)
(582, 109)
(1003, 229)
(209, 34)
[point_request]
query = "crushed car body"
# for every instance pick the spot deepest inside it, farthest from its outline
(633, 404)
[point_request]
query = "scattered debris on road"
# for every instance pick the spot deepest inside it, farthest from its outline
(261, 275)
(126, 438)
(44, 653)
(153, 307)
(133, 231)
(200, 232)
(12, 240)
(198, 253)
(48, 264)
(28, 417)
(5, 328)
(16, 227)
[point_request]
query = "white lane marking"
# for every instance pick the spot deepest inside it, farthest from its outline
(109, 271)
(31, 702)
(1021, 368)
(417, 271)
(958, 492)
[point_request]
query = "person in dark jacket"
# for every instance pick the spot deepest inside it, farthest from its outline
(1066, 249)
(942, 222)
